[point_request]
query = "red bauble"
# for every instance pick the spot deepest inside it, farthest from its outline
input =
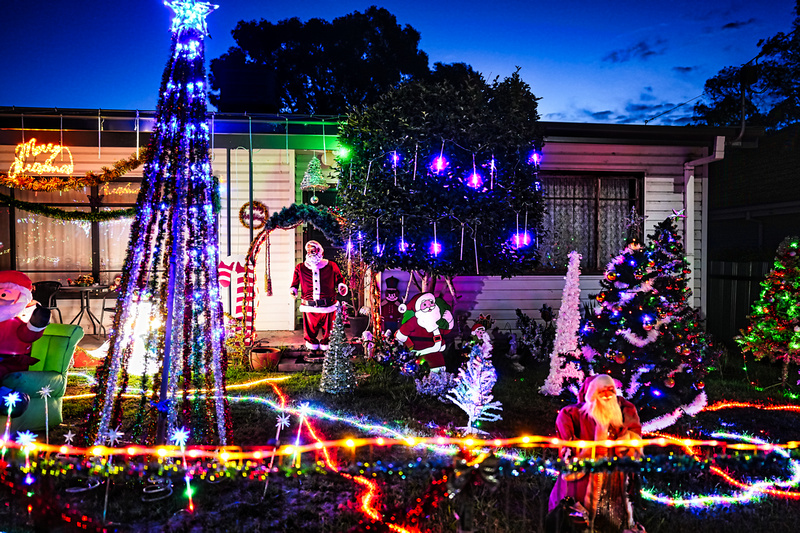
(700, 385)
(669, 382)
(620, 359)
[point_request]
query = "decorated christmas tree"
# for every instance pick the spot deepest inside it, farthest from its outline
(313, 179)
(337, 369)
(169, 284)
(774, 329)
(473, 393)
(567, 324)
(645, 333)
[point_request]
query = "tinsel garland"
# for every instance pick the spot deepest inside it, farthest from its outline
(125, 467)
(328, 222)
(71, 183)
(63, 214)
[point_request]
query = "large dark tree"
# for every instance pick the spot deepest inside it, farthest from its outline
(317, 66)
(398, 201)
(771, 86)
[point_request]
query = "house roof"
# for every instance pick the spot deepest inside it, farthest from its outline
(13, 119)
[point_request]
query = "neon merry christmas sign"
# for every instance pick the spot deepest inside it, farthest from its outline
(25, 162)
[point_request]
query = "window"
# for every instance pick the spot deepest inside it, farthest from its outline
(590, 213)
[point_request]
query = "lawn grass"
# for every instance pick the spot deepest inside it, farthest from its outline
(322, 503)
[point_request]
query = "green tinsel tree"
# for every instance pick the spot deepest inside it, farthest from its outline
(774, 329)
(337, 369)
(645, 333)
(313, 179)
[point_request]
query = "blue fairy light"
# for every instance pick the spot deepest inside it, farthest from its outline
(535, 158)
(436, 248)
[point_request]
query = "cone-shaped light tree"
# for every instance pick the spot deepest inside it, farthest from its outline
(566, 342)
(774, 329)
(169, 282)
(645, 332)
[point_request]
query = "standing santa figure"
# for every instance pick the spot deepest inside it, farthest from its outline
(426, 321)
(22, 321)
(318, 280)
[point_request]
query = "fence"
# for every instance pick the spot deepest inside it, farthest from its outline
(732, 289)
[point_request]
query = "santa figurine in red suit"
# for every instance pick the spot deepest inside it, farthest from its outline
(318, 280)
(426, 320)
(22, 322)
(600, 415)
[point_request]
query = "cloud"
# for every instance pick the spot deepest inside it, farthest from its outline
(684, 70)
(738, 24)
(642, 50)
(599, 116)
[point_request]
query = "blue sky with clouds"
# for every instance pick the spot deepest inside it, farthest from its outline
(618, 61)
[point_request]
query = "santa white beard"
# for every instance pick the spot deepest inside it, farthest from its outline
(313, 259)
(605, 413)
(428, 320)
(9, 311)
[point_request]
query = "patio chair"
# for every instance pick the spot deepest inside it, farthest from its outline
(109, 305)
(45, 293)
(54, 352)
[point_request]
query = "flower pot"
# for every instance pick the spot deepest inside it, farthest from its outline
(358, 324)
(264, 358)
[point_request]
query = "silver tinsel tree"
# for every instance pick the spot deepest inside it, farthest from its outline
(337, 369)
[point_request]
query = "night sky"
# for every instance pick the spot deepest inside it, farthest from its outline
(614, 61)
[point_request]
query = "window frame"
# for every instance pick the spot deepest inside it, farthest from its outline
(636, 201)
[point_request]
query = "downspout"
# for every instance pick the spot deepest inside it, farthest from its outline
(689, 220)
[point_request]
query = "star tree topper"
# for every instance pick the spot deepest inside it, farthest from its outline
(190, 14)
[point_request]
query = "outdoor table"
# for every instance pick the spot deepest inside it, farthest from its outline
(84, 293)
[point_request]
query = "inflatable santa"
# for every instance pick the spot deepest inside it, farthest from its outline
(318, 280)
(22, 321)
(427, 319)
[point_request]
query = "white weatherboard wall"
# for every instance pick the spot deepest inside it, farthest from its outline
(274, 186)
(662, 167)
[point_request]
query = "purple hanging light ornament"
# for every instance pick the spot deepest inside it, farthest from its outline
(403, 246)
(520, 240)
(474, 180)
(395, 160)
(378, 248)
(535, 158)
(369, 167)
(436, 247)
(416, 149)
(439, 163)
(461, 255)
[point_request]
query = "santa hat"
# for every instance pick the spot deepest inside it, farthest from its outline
(593, 384)
(478, 326)
(318, 245)
(13, 279)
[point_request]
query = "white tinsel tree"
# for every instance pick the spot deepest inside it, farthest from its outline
(569, 320)
(473, 394)
(313, 179)
(337, 369)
